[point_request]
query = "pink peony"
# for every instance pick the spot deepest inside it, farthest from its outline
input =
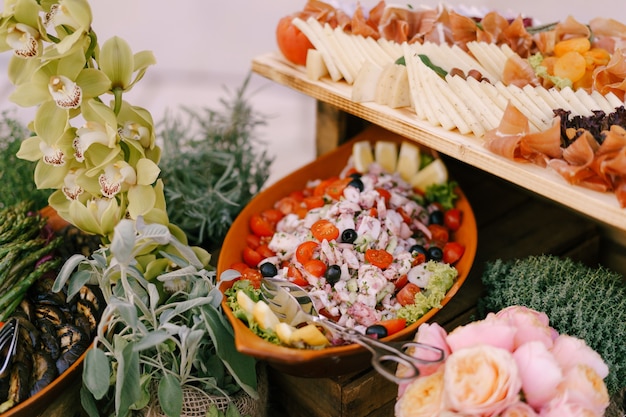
(540, 373)
(530, 324)
(519, 409)
(491, 331)
(571, 351)
(481, 380)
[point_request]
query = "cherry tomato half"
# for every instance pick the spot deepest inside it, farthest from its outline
(295, 275)
(261, 226)
(305, 251)
(406, 295)
(315, 267)
(393, 325)
(452, 219)
(379, 258)
(452, 252)
(251, 257)
(324, 229)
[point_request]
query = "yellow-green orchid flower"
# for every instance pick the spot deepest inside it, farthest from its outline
(65, 81)
(119, 176)
(24, 40)
(97, 215)
(72, 21)
(71, 184)
(51, 146)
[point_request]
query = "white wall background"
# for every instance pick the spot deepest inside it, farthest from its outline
(204, 46)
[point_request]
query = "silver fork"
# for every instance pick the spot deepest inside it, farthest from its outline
(292, 304)
(8, 343)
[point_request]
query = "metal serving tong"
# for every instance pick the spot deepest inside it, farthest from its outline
(292, 304)
(8, 344)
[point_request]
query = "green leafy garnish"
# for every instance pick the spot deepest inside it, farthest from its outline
(443, 194)
(442, 278)
(440, 71)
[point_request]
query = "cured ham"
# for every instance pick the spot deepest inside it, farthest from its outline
(584, 162)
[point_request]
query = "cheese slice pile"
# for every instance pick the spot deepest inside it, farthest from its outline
(470, 105)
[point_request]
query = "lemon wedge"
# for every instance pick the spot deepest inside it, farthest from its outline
(362, 155)
(309, 335)
(386, 154)
(284, 332)
(264, 315)
(433, 173)
(245, 302)
(408, 160)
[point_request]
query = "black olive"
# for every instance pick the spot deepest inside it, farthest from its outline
(348, 236)
(419, 249)
(435, 253)
(333, 273)
(268, 269)
(356, 183)
(377, 330)
(436, 217)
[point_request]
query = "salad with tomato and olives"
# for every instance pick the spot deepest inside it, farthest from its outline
(373, 253)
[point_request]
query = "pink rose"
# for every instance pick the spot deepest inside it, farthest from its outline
(571, 351)
(481, 380)
(582, 385)
(530, 324)
(431, 334)
(540, 373)
(491, 331)
(422, 397)
(519, 409)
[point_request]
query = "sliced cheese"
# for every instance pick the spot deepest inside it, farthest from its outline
(307, 28)
(315, 66)
(400, 93)
(264, 315)
(366, 82)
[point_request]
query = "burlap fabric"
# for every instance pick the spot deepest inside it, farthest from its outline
(196, 402)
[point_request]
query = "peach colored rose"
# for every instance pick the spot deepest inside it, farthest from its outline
(559, 407)
(422, 398)
(491, 331)
(481, 380)
(530, 324)
(519, 409)
(540, 373)
(570, 351)
(582, 385)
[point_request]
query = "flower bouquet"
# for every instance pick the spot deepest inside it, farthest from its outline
(512, 363)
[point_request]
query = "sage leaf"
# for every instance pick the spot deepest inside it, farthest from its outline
(96, 372)
(170, 395)
(242, 367)
(128, 381)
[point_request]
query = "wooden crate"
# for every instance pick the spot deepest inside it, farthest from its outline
(512, 223)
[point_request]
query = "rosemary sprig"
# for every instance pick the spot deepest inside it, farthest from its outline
(212, 166)
(16, 175)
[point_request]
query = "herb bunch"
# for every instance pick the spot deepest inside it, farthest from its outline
(16, 175)
(212, 166)
(588, 303)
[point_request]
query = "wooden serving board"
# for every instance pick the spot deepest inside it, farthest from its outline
(602, 207)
